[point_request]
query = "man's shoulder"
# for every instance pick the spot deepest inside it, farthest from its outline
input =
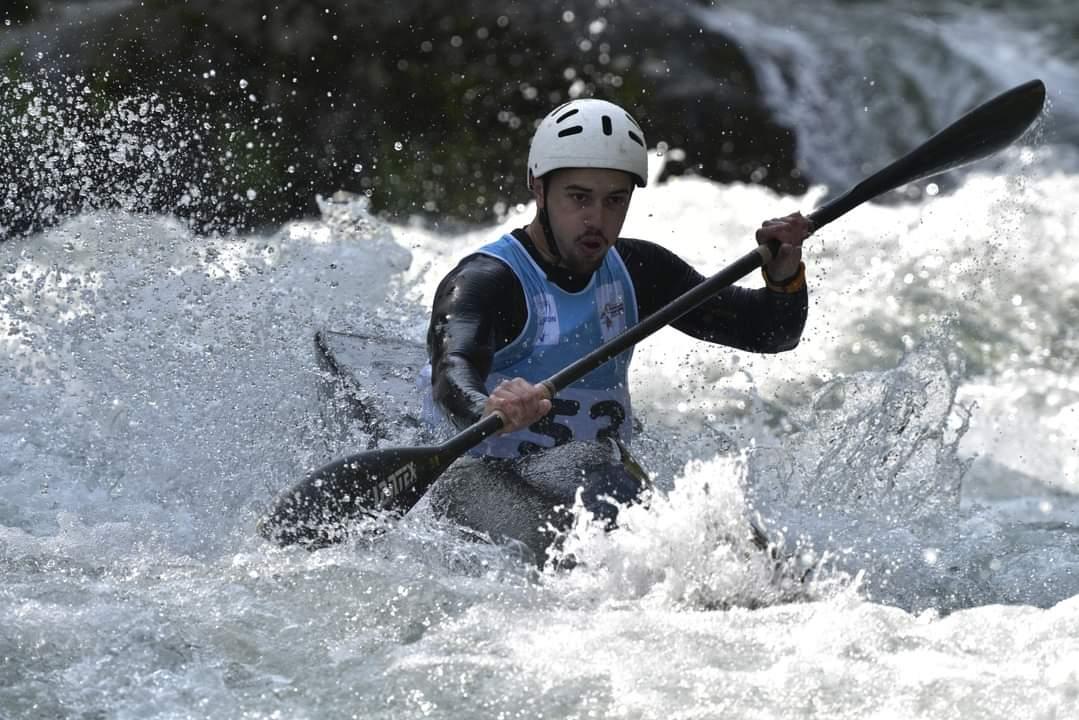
(623, 244)
(636, 252)
(479, 258)
(481, 273)
(492, 252)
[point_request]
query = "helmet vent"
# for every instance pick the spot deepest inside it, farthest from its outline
(630, 118)
(574, 111)
(575, 130)
(636, 138)
(607, 125)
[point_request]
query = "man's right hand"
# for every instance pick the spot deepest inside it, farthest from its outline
(519, 402)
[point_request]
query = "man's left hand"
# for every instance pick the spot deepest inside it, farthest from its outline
(790, 231)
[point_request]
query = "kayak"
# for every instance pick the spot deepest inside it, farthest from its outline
(528, 501)
(368, 383)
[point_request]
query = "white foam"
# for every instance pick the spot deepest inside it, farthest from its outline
(157, 388)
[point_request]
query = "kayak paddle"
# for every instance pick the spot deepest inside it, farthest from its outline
(318, 510)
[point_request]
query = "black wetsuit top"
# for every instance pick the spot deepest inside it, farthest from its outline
(479, 308)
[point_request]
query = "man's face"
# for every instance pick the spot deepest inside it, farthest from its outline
(587, 207)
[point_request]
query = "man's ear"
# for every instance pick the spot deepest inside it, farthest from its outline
(537, 190)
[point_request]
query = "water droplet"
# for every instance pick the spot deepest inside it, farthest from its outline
(243, 84)
(357, 168)
(398, 145)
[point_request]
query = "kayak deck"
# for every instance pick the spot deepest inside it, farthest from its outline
(369, 381)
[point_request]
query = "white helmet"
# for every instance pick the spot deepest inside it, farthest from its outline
(592, 134)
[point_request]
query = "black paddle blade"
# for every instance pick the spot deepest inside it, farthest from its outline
(318, 511)
(983, 131)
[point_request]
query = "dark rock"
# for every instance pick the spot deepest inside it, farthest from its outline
(426, 105)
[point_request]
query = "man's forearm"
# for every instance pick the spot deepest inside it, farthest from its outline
(759, 321)
(459, 390)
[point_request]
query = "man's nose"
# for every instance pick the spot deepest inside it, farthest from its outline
(593, 216)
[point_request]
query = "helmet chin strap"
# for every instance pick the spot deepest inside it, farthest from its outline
(545, 222)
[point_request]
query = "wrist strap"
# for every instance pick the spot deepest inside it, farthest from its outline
(793, 285)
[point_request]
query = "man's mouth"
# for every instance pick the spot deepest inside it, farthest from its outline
(593, 243)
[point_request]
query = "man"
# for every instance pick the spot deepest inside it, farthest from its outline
(535, 300)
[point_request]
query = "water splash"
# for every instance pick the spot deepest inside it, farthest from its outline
(146, 365)
(71, 149)
(693, 547)
(884, 443)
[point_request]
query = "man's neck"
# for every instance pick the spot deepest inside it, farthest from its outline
(556, 273)
(539, 241)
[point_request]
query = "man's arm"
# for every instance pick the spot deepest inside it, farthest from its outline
(478, 309)
(762, 320)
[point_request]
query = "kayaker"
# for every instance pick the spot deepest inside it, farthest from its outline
(519, 309)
